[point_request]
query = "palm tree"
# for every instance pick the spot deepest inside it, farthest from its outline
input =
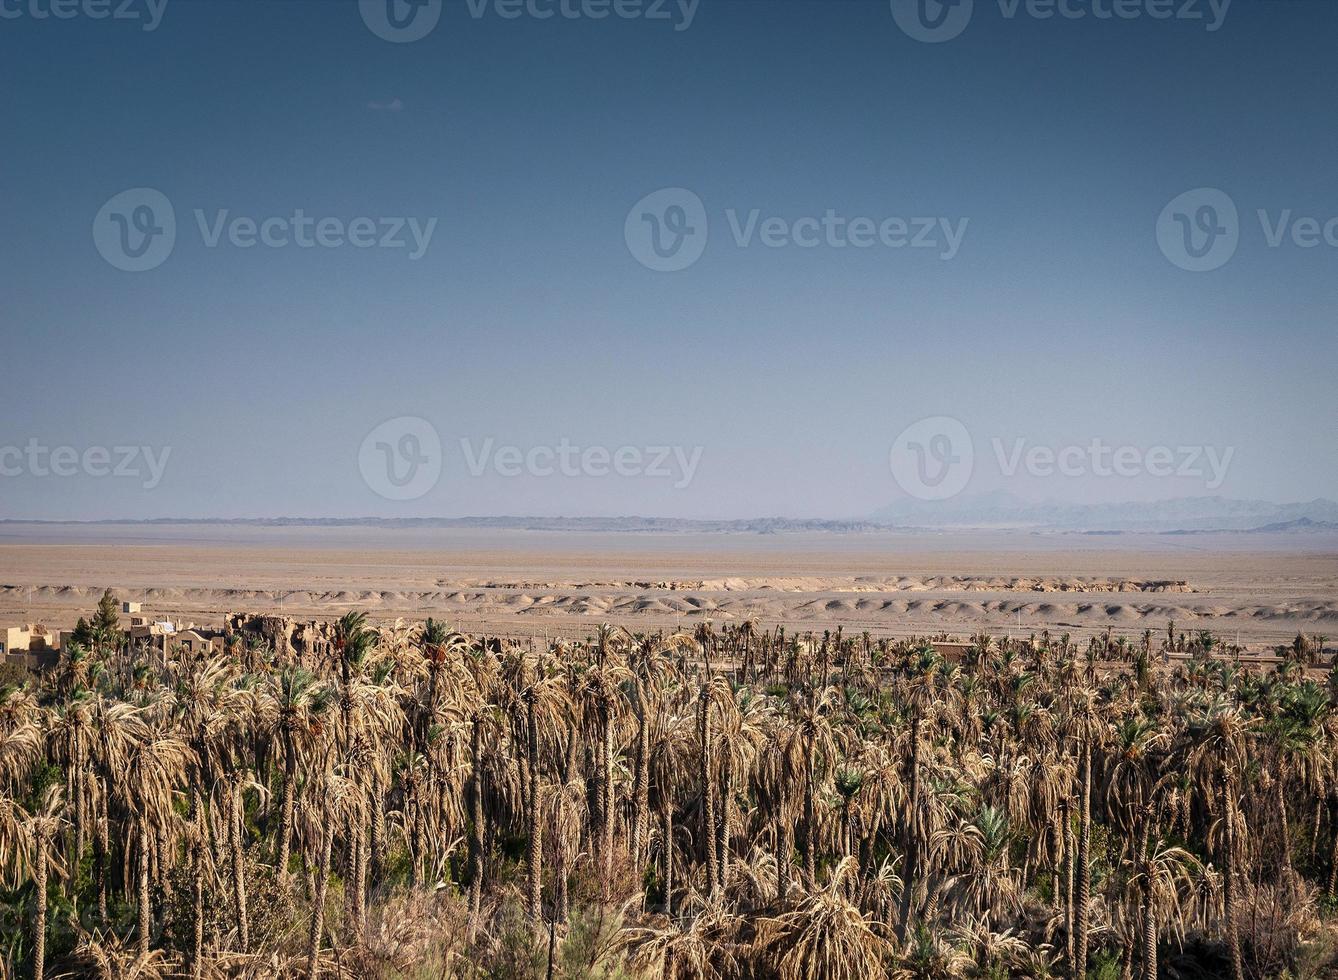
(604, 707)
(326, 805)
(921, 697)
(155, 766)
(823, 936)
(545, 705)
(1162, 876)
(299, 701)
(1215, 755)
(1085, 728)
(39, 831)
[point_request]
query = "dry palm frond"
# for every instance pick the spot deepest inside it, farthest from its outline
(697, 947)
(104, 957)
(823, 936)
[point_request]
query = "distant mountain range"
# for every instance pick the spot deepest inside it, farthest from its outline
(1179, 515)
(755, 525)
(999, 510)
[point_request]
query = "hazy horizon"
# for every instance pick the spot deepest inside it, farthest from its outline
(549, 337)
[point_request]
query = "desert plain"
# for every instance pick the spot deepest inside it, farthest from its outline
(1255, 589)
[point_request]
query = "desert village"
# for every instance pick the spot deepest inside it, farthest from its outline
(38, 647)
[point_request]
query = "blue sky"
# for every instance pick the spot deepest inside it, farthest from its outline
(1050, 145)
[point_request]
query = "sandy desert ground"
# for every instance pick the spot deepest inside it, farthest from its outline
(1260, 588)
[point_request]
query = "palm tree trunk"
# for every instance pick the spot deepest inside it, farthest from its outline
(1332, 888)
(1284, 827)
(667, 846)
(358, 885)
(80, 794)
(708, 797)
(239, 870)
(640, 784)
(101, 846)
(1314, 827)
(286, 810)
(144, 915)
(606, 804)
(534, 847)
(197, 910)
(810, 821)
(1149, 931)
(912, 830)
(416, 838)
(318, 902)
(39, 914)
(722, 823)
(1070, 846)
(563, 901)
(377, 828)
(1080, 911)
(784, 857)
(476, 828)
(1229, 880)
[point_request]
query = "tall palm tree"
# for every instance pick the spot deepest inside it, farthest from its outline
(1215, 754)
(1086, 729)
(300, 701)
(326, 806)
(545, 705)
(155, 766)
(921, 696)
(40, 830)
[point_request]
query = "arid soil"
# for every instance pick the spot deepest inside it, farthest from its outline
(1262, 589)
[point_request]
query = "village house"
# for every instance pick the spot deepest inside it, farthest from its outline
(34, 645)
(167, 636)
